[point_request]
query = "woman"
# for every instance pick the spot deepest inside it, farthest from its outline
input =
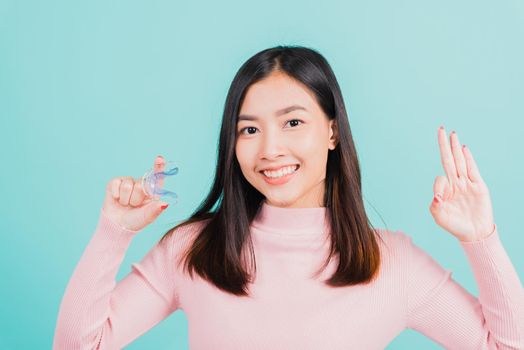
(281, 254)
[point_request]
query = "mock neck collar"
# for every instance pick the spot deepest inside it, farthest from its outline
(292, 221)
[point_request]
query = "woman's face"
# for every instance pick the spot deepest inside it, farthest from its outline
(280, 124)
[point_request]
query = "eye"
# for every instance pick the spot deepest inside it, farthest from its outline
(241, 131)
(294, 120)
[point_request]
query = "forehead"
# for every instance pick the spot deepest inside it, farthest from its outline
(275, 92)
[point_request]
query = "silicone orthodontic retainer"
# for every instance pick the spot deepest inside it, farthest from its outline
(150, 182)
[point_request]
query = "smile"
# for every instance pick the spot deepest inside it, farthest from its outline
(281, 176)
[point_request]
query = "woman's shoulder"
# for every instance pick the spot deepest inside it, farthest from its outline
(393, 236)
(400, 247)
(188, 227)
(185, 232)
(394, 242)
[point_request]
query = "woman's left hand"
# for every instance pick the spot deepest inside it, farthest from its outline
(461, 203)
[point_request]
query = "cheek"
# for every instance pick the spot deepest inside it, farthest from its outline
(314, 154)
(314, 138)
(243, 157)
(310, 146)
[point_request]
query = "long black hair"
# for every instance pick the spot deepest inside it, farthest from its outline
(216, 253)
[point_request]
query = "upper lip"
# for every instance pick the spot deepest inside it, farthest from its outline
(278, 167)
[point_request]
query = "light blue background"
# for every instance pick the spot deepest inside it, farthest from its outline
(93, 90)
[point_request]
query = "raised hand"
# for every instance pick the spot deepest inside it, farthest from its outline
(461, 203)
(127, 205)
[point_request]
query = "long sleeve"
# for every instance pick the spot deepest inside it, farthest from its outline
(98, 313)
(444, 311)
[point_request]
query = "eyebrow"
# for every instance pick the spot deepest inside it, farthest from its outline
(278, 113)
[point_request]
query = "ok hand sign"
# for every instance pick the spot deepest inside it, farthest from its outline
(461, 203)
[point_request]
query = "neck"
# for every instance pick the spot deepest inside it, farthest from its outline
(291, 221)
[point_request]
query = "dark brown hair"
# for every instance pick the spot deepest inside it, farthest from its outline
(216, 253)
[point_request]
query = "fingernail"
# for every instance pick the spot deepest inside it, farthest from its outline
(159, 156)
(453, 132)
(463, 146)
(164, 206)
(442, 127)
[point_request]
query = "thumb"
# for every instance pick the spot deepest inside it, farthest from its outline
(440, 187)
(153, 209)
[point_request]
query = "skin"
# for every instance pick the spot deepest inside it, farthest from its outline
(298, 137)
(461, 203)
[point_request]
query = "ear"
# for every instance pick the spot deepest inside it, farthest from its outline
(333, 134)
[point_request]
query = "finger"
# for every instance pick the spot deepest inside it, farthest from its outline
(440, 187)
(446, 156)
(153, 210)
(159, 167)
(126, 187)
(114, 187)
(138, 195)
(473, 170)
(460, 161)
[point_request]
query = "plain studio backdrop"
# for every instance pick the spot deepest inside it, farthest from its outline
(93, 90)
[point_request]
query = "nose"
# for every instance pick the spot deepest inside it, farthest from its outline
(272, 145)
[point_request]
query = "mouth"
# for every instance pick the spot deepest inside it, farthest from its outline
(275, 179)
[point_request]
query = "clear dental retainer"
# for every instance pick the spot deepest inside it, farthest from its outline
(152, 187)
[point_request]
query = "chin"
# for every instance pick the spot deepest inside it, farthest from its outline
(280, 202)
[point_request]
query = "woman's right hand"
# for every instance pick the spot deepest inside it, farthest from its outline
(127, 205)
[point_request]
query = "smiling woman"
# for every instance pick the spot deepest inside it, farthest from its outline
(285, 141)
(294, 150)
(284, 254)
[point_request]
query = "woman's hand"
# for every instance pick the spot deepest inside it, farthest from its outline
(461, 203)
(127, 205)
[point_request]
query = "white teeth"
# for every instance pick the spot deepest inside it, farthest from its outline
(281, 172)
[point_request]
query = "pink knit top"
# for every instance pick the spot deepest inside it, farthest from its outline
(288, 308)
